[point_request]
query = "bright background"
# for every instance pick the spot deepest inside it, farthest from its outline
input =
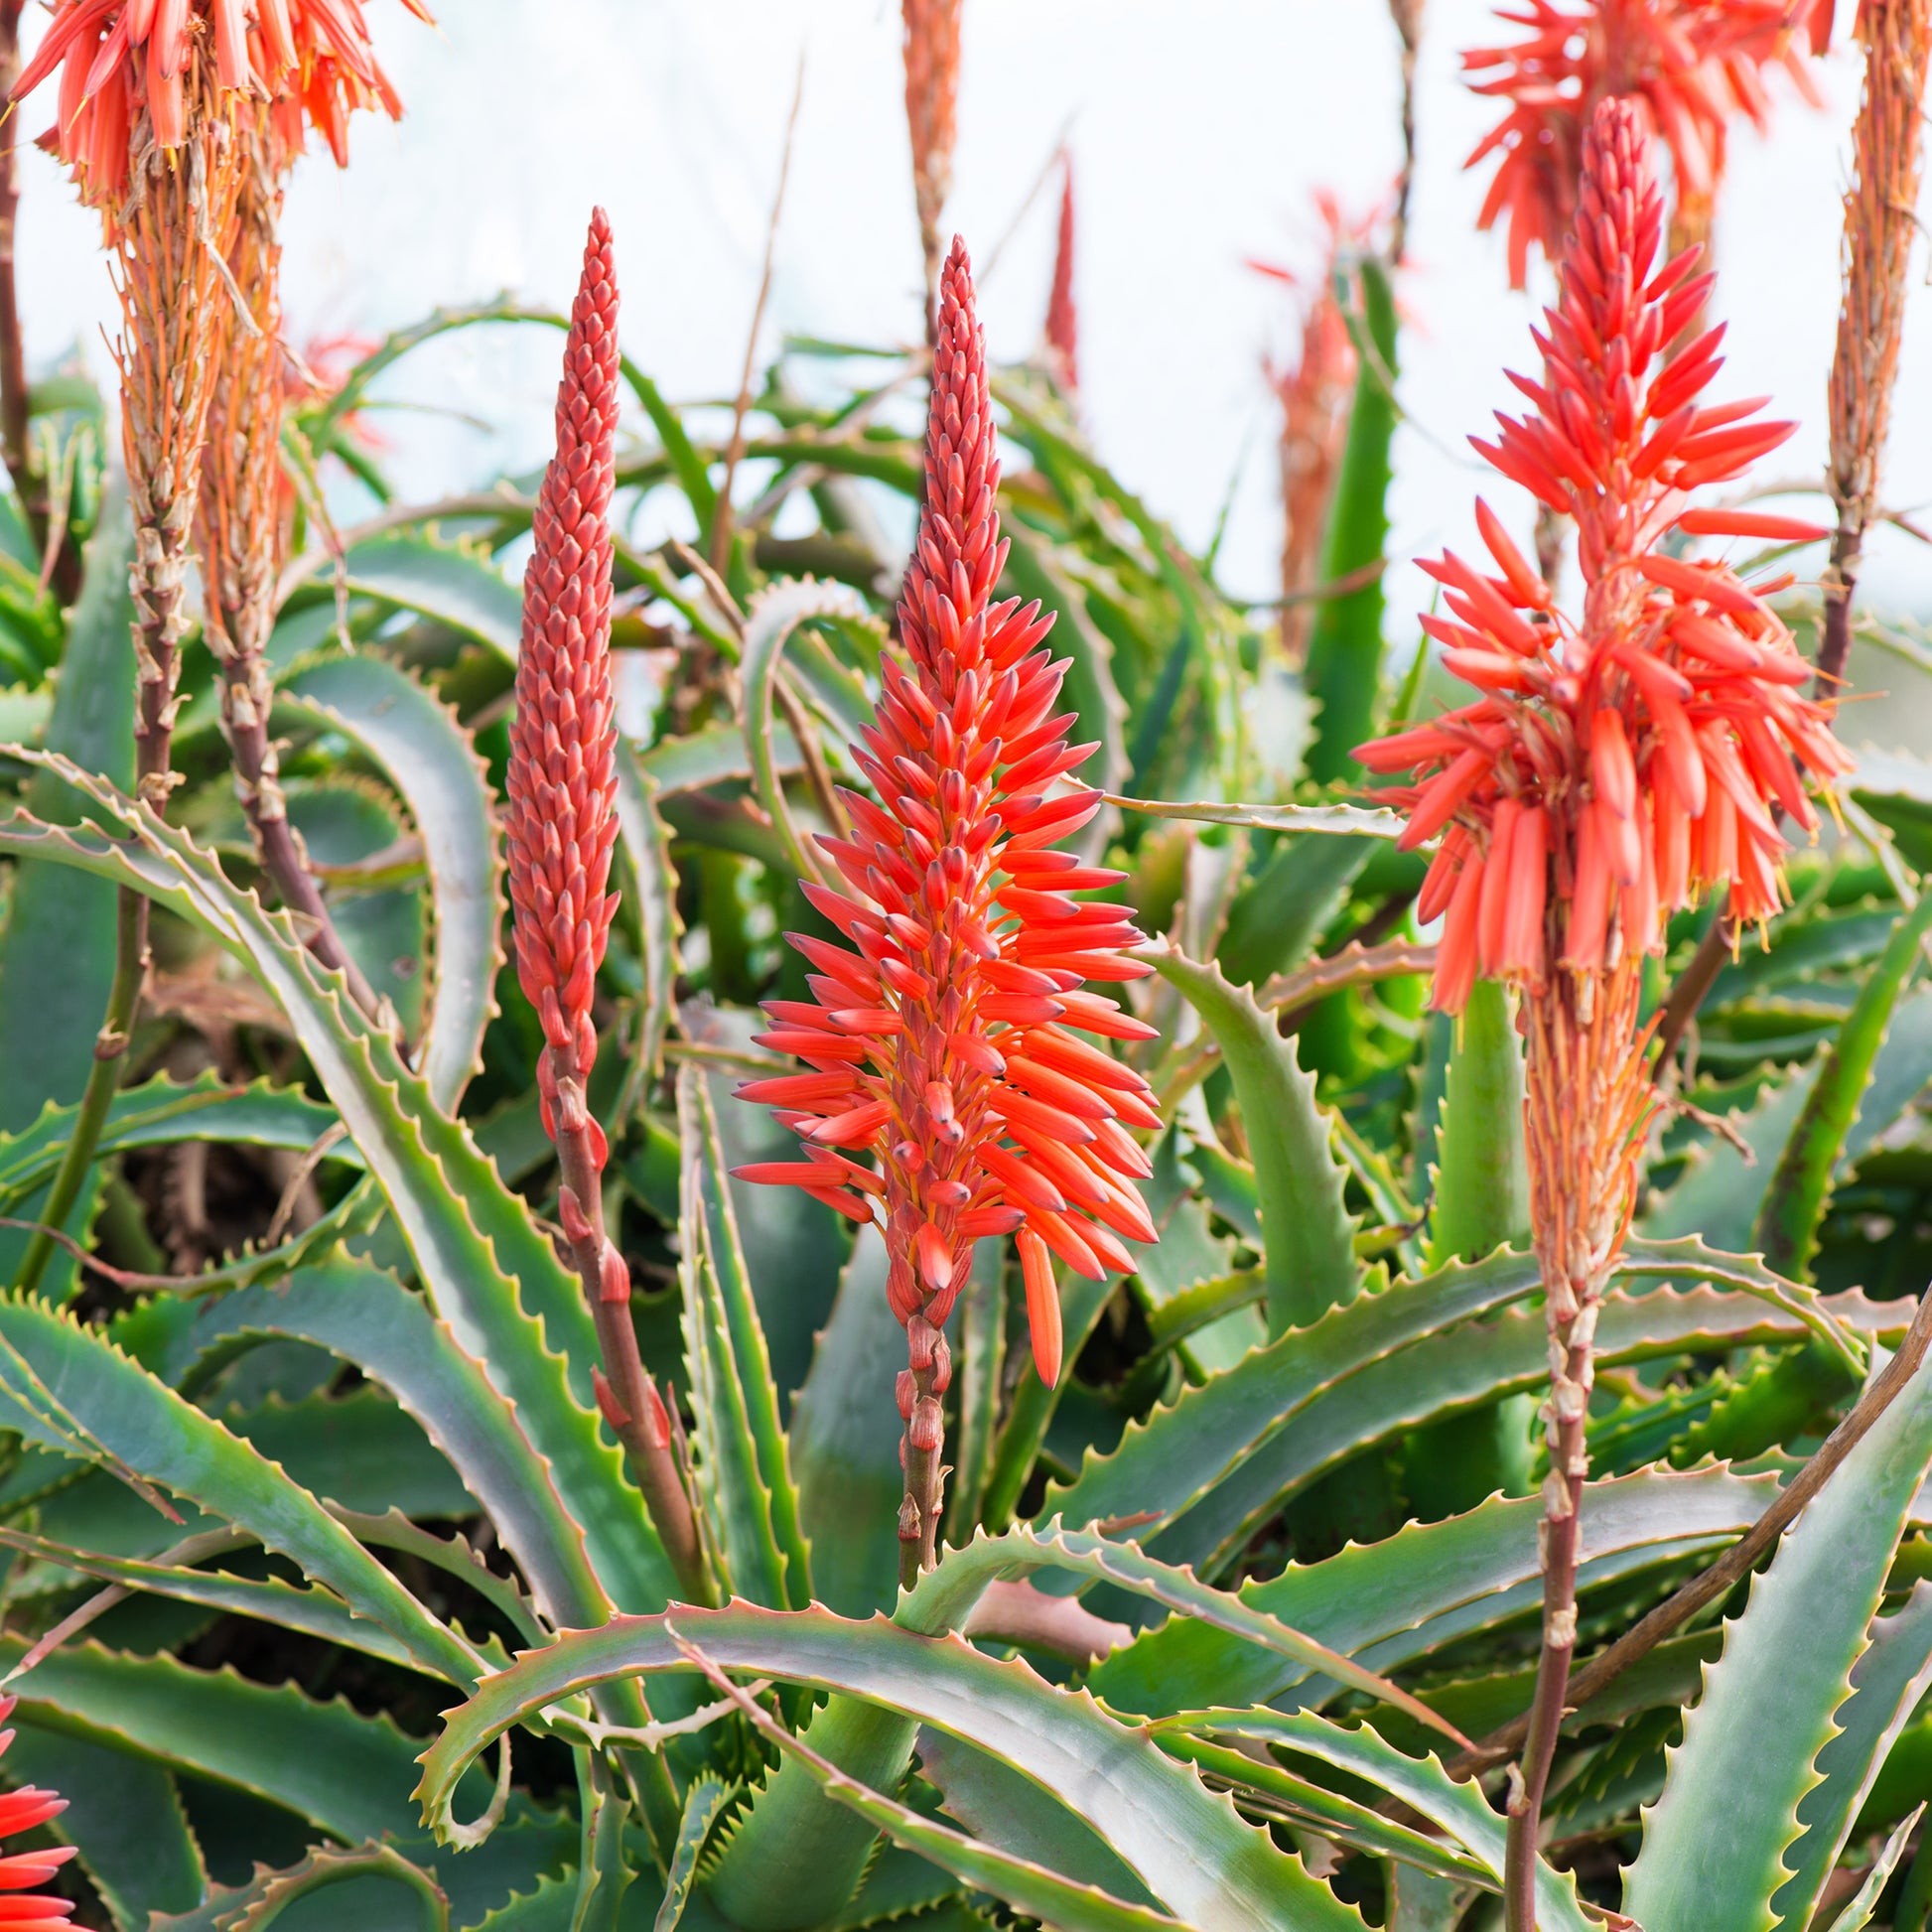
(1199, 131)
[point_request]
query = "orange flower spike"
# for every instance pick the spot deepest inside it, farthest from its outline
(22, 1904)
(944, 1039)
(1692, 63)
(1062, 317)
(1662, 736)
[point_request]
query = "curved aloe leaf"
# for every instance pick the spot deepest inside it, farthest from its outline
(1431, 1583)
(707, 1797)
(713, 755)
(648, 841)
(255, 1907)
(1351, 821)
(418, 742)
(743, 1477)
(1187, 1846)
(1344, 664)
(164, 1111)
(1458, 1809)
(1794, 1201)
(490, 1273)
(1887, 1682)
(448, 581)
(1276, 919)
(1863, 1903)
(1309, 1258)
(149, 1429)
(347, 1773)
(944, 1596)
(364, 1315)
(1770, 1701)
(1028, 1887)
(56, 950)
(773, 616)
(124, 1815)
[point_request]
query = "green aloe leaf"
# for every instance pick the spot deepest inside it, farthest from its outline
(1028, 1887)
(149, 1429)
(1187, 1846)
(603, 1872)
(432, 763)
(125, 1817)
(1350, 821)
(255, 1907)
(491, 1274)
(1794, 1201)
(162, 1112)
(773, 616)
(451, 583)
(1770, 1701)
(1887, 1682)
(365, 1316)
(983, 1340)
(707, 1797)
(648, 843)
(844, 1436)
(347, 1773)
(1310, 1261)
(713, 755)
(1458, 1809)
(1863, 1903)
(56, 950)
(1344, 664)
(944, 1596)
(744, 1476)
(1429, 1585)
(1276, 919)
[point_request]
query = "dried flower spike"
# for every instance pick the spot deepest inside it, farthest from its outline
(561, 823)
(1610, 771)
(1879, 225)
(1063, 319)
(1692, 63)
(932, 121)
(943, 1040)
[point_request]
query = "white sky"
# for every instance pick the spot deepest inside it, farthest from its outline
(1199, 132)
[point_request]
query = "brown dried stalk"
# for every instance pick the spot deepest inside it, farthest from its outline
(1587, 1098)
(932, 119)
(171, 239)
(240, 536)
(1879, 221)
(1407, 15)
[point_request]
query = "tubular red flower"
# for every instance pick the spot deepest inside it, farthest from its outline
(22, 1904)
(964, 1075)
(1656, 742)
(311, 58)
(1691, 63)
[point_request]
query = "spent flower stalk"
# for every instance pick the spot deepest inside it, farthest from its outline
(931, 48)
(561, 824)
(941, 1038)
(1609, 772)
(1880, 223)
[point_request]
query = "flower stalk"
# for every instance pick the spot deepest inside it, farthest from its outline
(933, 120)
(1610, 771)
(941, 1039)
(1062, 330)
(561, 825)
(1880, 222)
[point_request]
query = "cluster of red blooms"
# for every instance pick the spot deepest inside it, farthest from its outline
(311, 58)
(1690, 62)
(1610, 771)
(943, 1038)
(20, 1909)
(562, 781)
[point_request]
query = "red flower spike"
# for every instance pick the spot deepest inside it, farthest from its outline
(1642, 757)
(20, 1810)
(1693, 64)
(560, 824)
(969, 1083)
(311, 59)
(1062, 319)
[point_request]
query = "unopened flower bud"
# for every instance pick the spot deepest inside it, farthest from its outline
(920, 1338)
(656, 1418)
(613, 1276)
(570, 1212)
(612, 1410)
(941, 1365)
(926, 1430)
(907, 1389)
(908, 1521)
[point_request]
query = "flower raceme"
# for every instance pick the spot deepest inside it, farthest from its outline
(944, 1037)
(1693, 62)
(311, 58)
(1610, 771)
